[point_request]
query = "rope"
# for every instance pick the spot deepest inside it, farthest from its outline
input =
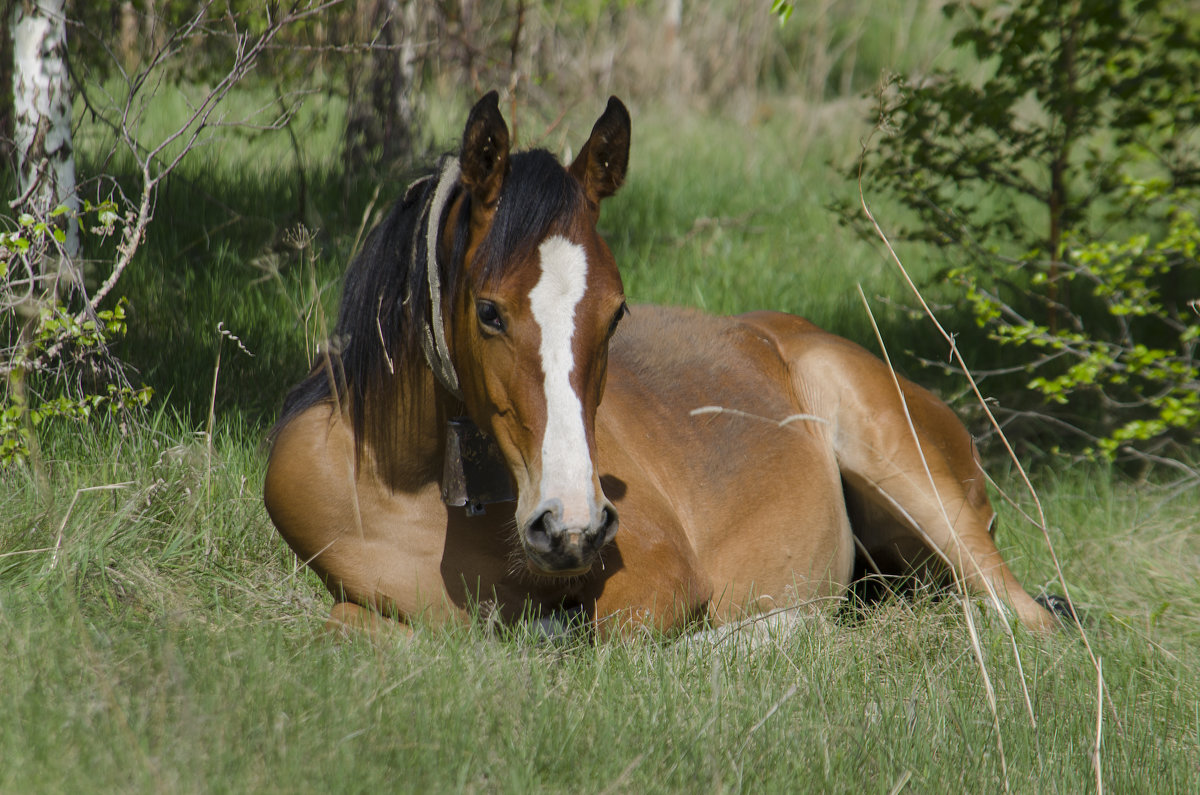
(433, 343)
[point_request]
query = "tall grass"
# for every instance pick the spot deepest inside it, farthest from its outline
(174, 647)
(159, 636)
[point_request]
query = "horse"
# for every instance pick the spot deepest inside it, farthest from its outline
(490, 410)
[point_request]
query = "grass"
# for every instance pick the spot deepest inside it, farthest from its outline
(173, 646)
(160, 637)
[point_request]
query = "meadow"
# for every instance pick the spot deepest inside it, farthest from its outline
(159, 636)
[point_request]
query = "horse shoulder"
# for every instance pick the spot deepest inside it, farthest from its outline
(367, 542)
(691, 425)
(312, 451)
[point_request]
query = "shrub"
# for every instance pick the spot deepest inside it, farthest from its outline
(1059, 180)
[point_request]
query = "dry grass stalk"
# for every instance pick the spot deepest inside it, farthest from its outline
(1041, 523)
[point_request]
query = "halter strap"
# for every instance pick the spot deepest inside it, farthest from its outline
(433, 342)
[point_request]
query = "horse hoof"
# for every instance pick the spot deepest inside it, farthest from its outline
(564, 623)
(1062, 609)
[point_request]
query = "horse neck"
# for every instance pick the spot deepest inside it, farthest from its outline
(412, 456)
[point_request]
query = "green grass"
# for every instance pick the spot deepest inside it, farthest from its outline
(241, 706)
(164, 641)
(159, 636)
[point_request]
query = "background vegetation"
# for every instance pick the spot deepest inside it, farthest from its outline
(158, 634)
(1060, 181)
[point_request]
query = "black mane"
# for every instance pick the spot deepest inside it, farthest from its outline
(374, 356)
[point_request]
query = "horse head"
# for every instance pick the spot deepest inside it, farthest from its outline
(538, 300)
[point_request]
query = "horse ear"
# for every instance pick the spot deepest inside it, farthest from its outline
(602, 161)
(484, 156)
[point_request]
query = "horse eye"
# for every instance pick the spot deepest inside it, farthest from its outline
(489, 317)
(622, 312)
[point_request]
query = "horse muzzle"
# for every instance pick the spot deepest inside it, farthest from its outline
(560, 548)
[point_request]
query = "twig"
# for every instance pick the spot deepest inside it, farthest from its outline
(791, 691)
(747, 415)
(208, 444)
(954, 352)
(1042, 523)
(960, 549)
(27, 552)
(62, 526)
(899, 785)
(616, 784)
(366, 218)
(1099, 727)
(222, 334)
(987, 686)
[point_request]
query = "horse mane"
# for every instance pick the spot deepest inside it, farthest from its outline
(374, 359)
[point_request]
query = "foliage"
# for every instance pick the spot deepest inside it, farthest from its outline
(1074, 96)
(1019, 174)
(55, 361)
(1127, 378)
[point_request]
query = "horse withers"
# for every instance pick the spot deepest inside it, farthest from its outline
(667, 466)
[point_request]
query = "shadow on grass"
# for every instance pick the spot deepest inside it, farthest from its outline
(220, 251)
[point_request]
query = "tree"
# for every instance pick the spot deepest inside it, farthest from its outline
(54, 357)
(1025, 173)
(381, 117)
(42, 114)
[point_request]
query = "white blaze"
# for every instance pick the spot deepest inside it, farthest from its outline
(566, 465)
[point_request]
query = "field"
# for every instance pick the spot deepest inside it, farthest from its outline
(158, 635)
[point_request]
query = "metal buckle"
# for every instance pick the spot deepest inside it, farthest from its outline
(474, 473)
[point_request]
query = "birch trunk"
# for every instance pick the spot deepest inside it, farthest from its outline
(42, 118)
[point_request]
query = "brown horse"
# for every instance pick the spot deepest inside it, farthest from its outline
(750, 459)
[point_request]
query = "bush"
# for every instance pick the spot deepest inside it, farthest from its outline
(1123, 374)
(55, 360)
(1080, 121)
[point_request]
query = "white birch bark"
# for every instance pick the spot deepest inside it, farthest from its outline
(42, 113)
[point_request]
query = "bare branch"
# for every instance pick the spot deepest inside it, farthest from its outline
(248, 51)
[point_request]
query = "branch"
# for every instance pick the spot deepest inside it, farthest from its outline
(248, 52)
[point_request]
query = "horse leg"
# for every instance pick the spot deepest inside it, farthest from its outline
(906, 458)
(378, 551)
(933, 512)
(915, 461)
(348, 619)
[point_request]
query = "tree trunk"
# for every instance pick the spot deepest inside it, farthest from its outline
(381, 114)
(6, 74)
(42, 118)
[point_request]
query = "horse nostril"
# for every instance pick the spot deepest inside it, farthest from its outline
(608, 526)
(556, 544)
(539, 533)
